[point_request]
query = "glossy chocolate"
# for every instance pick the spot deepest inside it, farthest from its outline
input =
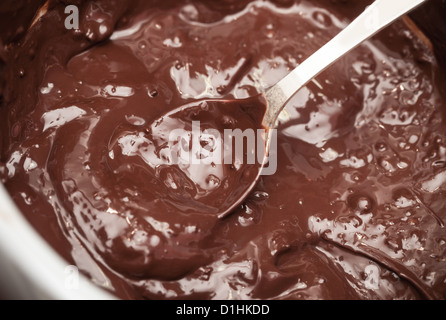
(356, 209)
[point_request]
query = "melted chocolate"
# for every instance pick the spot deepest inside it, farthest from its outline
(355, 210)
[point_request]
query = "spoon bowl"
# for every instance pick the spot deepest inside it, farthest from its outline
(204, 157)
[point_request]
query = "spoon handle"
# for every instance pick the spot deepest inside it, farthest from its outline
(376, 17)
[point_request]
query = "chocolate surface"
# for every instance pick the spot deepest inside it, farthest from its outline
(356, 209)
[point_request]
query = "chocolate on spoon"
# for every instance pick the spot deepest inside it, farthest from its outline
(198, 153)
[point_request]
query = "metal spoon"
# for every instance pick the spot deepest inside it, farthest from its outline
(218, 200)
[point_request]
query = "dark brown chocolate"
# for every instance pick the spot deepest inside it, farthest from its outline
(356, 209)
